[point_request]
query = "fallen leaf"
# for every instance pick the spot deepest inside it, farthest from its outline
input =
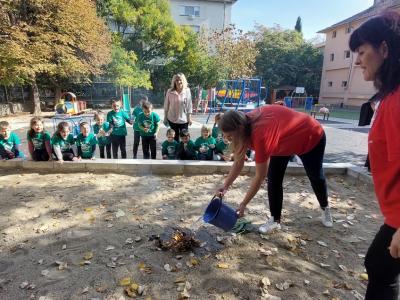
(283, 286)
(88, 209)
(194, 261)
(45, 272)
(321, 243)
(120, 213)
(364, 276)
(88, 256)
(180, 279)
(24, 284)
(102, 288)
(167, 268)
(110, 247)
(223, 266)
(125, 281)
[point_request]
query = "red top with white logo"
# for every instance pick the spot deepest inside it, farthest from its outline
(281, 131)
(384, 155)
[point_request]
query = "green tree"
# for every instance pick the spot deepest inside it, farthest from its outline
(285, 58)
(235, 52)
(54, 39)
(298, 26)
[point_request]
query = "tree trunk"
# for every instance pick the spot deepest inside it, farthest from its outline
(57, 94)
(34, 97)
(6, 94)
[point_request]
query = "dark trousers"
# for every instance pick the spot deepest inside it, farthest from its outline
(312, 162)
(108, 150)
(118, 141)
(383, 270)
(136, 141)
(178, 128)
(40, 155)
(68, 156)
(149, 142)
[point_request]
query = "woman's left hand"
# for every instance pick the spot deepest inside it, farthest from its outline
(394, 247)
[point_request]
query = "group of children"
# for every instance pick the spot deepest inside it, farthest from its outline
(109, 133)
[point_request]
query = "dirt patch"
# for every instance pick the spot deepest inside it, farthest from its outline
(88, 236)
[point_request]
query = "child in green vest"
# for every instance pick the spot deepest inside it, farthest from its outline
(148, 123)
(136, 132)
(223, 151)
(38, 141)
(102, 130)
(9, 142)
(63, 143)
(86, 142)
(186, 148)
(169, 148)
(216, 131)
(117, 118)
(205, 144)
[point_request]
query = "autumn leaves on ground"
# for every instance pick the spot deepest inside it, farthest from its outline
(91, 236)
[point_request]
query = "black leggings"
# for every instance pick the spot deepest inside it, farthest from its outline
(40, 155)
(149, 142)
(136, 141)
(383, 270)
(118, 141)
(178, 128)
(108, 150)
(312, 162)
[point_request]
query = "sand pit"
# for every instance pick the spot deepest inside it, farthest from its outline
(88, 236)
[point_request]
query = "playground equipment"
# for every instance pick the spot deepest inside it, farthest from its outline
(241, 94)
(68, 104)
(299, 99)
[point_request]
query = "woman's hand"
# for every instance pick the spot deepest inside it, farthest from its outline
(221, 191)
(240, 210)
(394, 247)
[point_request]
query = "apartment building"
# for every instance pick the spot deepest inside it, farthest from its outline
(342, 80)
(200, 15)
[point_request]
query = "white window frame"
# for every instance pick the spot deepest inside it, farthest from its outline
(332, 57)
(330, 83)
(344, 83)
(347, 52)
(183, 10)
(334, 34)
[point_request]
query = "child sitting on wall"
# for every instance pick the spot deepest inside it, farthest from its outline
(9, 142)
(186, 150)
(205, 144)
(169, 148)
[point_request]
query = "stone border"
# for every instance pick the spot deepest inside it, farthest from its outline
(171, 167)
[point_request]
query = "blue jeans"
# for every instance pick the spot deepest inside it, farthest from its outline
(312, 162)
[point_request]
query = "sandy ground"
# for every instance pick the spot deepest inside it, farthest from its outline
(77, 236)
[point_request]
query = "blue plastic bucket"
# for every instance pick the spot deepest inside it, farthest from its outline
(219, 214)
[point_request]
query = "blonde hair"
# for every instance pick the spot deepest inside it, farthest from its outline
(182, 77)
(239, 125)
(205, 128)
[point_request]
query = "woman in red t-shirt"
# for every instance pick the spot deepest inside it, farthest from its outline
(276, 133)
(377, 43)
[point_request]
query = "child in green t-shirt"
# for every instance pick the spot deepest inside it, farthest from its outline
(186, 148)
(223, 151)
(9, 142)
(63, 143)
(38, 141)
(148, 123)
(86, 142)
(117, 118)
(102, 130)
(205, 144)
(136, 132)
(169, 148)
(216, 131)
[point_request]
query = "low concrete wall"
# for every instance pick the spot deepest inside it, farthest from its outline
(156, 167)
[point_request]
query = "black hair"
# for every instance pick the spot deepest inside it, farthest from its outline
(383, 28)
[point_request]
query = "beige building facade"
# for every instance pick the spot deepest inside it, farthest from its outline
(208, 15)
(342, 80)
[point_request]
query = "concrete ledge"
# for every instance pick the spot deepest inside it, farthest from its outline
(360, 174)
(170, 167)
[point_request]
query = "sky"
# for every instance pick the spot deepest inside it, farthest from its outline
(315, 14)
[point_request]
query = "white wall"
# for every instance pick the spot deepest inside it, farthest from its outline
(211, 14)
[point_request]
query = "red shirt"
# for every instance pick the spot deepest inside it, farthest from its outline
(384, 155)
(280, 131)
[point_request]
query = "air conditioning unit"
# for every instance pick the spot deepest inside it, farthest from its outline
(191, 17)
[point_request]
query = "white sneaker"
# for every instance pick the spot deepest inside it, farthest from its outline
(269, 226)
(326, 217)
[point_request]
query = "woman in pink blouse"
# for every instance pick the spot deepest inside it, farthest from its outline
(178, 105)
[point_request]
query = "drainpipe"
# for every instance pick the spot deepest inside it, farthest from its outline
(223, 25)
